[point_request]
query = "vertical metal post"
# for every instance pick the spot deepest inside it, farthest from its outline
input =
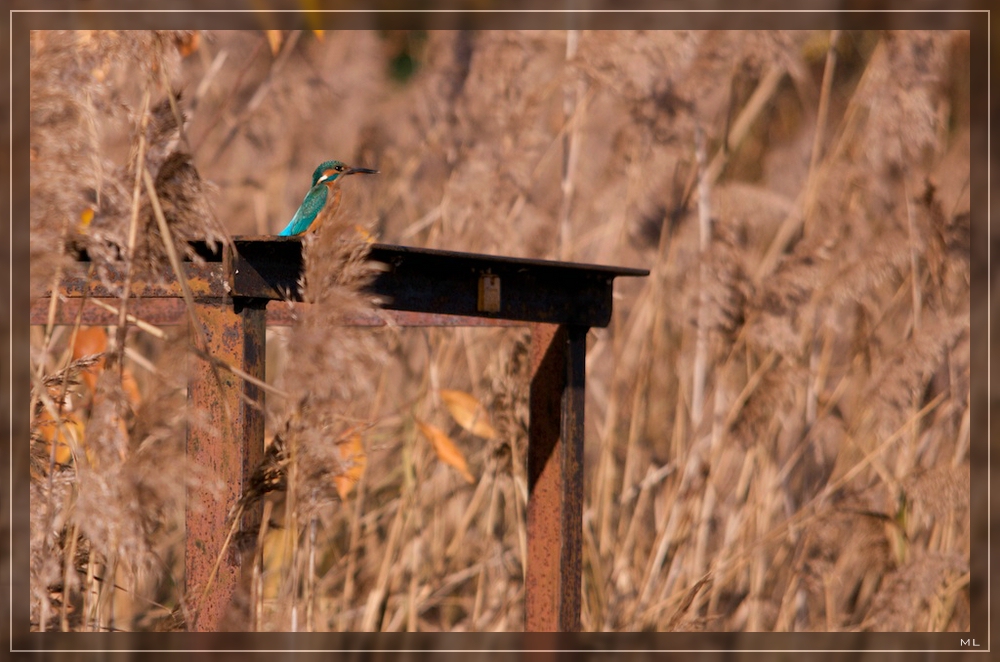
(555, 479)
(225, 436)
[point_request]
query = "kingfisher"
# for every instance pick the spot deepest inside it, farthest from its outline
(323, 199)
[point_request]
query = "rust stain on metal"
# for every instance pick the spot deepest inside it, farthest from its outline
(205, 280)
(541, 600)
(158, 312)
(230, 446)
(555, 480)
(571, 461)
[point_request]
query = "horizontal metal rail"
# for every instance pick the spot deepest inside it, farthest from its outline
(163, 311)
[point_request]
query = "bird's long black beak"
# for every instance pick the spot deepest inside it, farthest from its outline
(366, 171)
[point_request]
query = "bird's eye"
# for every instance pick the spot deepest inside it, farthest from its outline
(339, 168)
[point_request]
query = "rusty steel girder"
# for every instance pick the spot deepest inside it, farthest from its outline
(254, 283)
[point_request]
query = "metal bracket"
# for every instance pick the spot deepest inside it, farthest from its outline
(421, 287)
(489, 293)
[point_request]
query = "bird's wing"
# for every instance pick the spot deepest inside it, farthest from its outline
(307, 212)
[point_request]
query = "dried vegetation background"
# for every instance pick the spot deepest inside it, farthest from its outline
(777, 418)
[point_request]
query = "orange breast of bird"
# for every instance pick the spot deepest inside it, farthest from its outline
(329, 210)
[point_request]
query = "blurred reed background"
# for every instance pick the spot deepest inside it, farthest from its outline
(777, 430)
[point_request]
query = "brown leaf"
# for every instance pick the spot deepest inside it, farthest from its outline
(187, 42)
(94, 340)
(445, 448)
(91, 340)
(274, 40)
(469, 413)
(67, 437)
(352, 456)
(86, 216)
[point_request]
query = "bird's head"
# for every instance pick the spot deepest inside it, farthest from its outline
(329, 171)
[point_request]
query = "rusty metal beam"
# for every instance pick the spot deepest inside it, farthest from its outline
(225, 436)
(159, 312)
(555, 479)
(206, 280)
(418, 280)
(172, 312)
(442, 282)
(243, 288)
(283, 313)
